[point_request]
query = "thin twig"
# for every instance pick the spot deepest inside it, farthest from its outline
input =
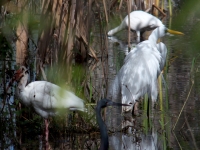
(105, 10)
(113, 3)
(184, 105)
(43, 73)
(120, 4)
(90, 48)
(192, 135)
(148, 10)
(128, 5)
(177, 140)
(154, 6)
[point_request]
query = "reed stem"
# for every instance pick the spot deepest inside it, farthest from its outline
(170, 8)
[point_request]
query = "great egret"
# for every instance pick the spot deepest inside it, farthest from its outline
(141, 68)
(103, 130)
(139, 20)
(46, 98)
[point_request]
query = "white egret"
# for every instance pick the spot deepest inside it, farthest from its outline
(46, 98)
(139, 20)
(141, 68)
(103, 130)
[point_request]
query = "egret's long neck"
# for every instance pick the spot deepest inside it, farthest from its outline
(117, 29)
(157, 33)
(154, 36)
(103, 130)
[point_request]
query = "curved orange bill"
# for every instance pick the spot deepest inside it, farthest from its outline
(175, 32)
(18, 74)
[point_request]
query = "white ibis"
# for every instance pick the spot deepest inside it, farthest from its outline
(141, 68)
(46, 98)
(138, 21)
(103, 130)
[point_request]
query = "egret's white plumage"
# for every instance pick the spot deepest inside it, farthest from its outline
(163, 52)
(141, 68)
(138, 21)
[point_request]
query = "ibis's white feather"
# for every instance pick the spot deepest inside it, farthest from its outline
(46, 98)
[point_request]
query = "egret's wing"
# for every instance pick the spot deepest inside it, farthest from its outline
(130, 55)
(163, 51)
(139, 72)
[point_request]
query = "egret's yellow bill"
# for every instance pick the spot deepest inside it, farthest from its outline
(174, 32)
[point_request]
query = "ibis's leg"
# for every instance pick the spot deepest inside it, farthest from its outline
(46, 134)
(46, 130)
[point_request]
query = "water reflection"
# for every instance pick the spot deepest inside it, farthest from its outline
(121, 45)
(134, 140)
(128, 132)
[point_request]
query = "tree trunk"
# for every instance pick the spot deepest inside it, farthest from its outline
(22, 34)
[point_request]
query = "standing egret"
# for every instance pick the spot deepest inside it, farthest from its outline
(46, 98)
(103, 130)
(141, 68)
(138, 21)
